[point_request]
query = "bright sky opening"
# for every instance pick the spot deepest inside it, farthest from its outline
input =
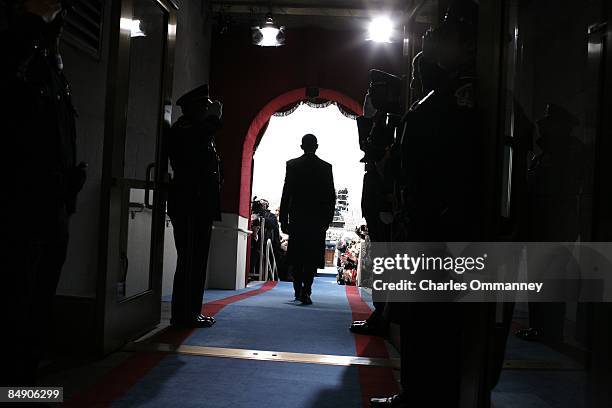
(338, 145)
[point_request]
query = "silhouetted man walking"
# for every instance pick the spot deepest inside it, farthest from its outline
(307, 209)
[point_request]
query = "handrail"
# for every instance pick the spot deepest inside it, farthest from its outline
(262, 265)
(237, 229)
(267, 268)
(271, 268)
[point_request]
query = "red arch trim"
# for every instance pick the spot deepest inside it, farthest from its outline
(262, 118)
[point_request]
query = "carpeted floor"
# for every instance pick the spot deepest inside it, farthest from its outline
(216, 294)
(540, 389)
(265, 317)
(190, 381)
(261, 317)
(274, 321)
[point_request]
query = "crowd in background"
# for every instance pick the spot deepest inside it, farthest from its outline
(350, 256)
(347, 249)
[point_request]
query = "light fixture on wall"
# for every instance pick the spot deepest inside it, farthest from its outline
(269, 34)
(133, 26)
(381, 30)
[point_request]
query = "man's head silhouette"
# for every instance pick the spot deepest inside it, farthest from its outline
(309, 143)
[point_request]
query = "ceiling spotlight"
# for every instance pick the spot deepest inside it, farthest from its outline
(268, 34)
(380, 30)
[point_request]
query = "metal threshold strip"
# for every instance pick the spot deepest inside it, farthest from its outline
(263, 355)
(324, 359)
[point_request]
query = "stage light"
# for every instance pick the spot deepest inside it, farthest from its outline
(268, 34)
(381, 29)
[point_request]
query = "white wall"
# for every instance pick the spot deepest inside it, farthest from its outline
(227, 255)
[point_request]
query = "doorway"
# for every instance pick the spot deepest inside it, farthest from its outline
(337, 136)
(135, 169)
(336, 131)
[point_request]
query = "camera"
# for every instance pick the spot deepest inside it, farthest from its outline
(258, 207)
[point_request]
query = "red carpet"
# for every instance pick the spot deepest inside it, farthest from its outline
(374, 381)
(121, 378)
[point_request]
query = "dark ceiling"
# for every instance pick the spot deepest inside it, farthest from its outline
(346, 4)
(330, 14)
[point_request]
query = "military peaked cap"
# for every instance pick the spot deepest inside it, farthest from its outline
(377, 75)
(199, 94)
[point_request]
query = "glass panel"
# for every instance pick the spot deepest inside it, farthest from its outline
(553, 81)
(148, 27)
(144, 114)
(135, 271)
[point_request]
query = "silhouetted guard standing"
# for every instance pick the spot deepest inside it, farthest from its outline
(40, 181)
(307, 209)
(441, 199)
(193, 201)
(377, 126)
(555, 181)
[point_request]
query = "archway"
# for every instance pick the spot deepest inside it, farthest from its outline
(258, 125)
(262, 118)
(230, 244)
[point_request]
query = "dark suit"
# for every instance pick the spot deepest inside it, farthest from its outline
(442, 196)
(307, 209)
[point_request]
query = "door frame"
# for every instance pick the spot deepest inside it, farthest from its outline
(116, 320)
(600, 314)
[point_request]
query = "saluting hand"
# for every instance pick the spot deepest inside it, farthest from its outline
(215, 109)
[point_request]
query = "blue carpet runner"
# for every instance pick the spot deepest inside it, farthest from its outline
(264, 317)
